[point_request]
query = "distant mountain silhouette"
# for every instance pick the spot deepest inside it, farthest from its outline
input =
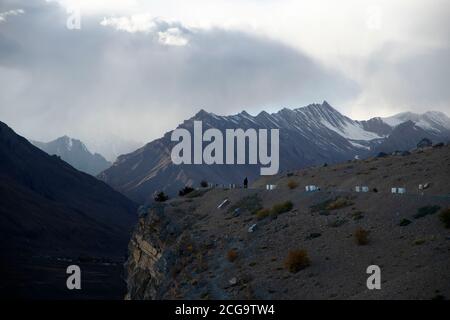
(49, 209)
(75, 153)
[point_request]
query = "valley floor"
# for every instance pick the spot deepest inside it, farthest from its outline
(45, 278)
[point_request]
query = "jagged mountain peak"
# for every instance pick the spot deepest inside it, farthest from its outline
(263, 114)
(75, 152)
(201, 113)
(245, 113)
(324, 107)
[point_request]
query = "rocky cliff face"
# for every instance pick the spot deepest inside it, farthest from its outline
(154, 249)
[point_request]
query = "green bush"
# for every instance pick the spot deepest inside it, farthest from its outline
(262, 213)
(161, 197)
(185, 191)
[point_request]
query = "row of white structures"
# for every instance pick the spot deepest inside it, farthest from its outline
(312, 188)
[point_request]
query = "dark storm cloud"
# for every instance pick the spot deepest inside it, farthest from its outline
(98, 81)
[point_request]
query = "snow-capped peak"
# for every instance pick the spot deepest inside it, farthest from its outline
(66, 142)
(325, 115)
(430, 120)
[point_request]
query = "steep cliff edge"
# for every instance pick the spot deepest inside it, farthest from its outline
(188, 248)
(152, 248)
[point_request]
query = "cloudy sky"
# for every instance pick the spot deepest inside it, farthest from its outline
(135, 69)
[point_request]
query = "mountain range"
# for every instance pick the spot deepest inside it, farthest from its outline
(75, 153)
(309, 136)
(51, 211)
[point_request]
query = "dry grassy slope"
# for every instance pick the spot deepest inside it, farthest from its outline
(428, 165)
(180, 250)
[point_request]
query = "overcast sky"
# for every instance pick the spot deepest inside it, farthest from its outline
(136, 69)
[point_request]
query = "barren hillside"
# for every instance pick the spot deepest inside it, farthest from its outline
(189, 248)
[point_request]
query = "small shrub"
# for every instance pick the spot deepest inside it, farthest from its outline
(262, 213)
(339, 203)
(250, 203)
(404, 222)
(161, 197)
(297, 260)
(418, 242)
(197, 193)
(232, 255)
(292, 184)
(276, 210)
(425, 211)
(185, 191)
(203, 184)
(331, 204)
(320, 206)
(282, 207)
(338, 222)
(313, 235)
(357, 215)
(444, 216)
(361, 236)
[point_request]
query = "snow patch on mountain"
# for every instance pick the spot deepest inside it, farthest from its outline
(352, 131)
(432, 120)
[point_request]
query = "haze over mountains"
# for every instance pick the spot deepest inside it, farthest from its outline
(312, 135)
(48, 209)
(75, 153)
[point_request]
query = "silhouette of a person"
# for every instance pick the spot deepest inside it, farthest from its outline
(245, 183)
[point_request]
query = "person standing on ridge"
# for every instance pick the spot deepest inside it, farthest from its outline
(245, 183)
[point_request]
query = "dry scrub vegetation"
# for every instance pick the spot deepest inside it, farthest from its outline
(297, 260)
(361, 236)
